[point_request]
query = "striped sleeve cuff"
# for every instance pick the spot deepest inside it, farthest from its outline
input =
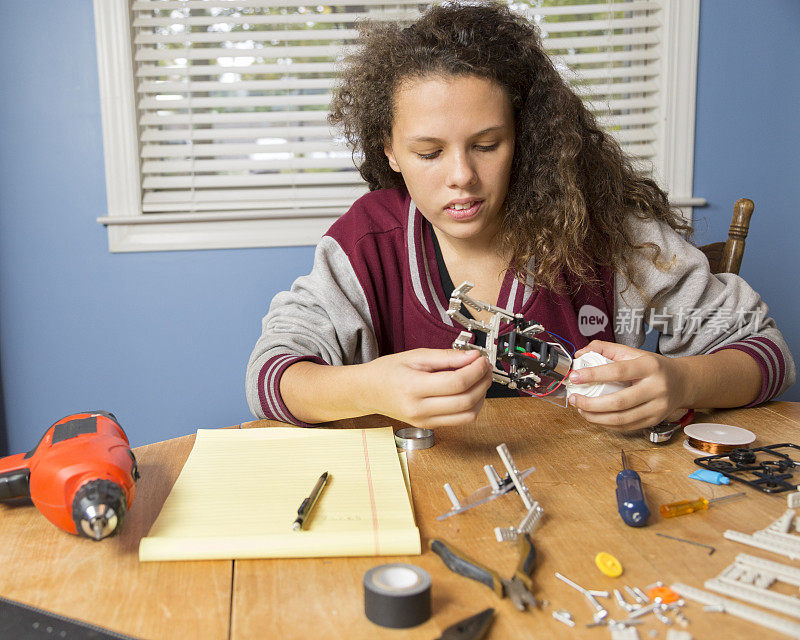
(770, 360)
(269, 384)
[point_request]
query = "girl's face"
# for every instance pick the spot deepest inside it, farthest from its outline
(453, 141)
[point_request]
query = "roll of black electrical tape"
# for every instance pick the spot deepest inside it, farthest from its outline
(397, 595)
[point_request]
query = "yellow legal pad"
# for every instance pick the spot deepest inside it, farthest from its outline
(238, 493)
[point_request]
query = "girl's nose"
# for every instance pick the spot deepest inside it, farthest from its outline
(461, 173)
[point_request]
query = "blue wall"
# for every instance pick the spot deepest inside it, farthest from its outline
(747, 144)
(162, 339)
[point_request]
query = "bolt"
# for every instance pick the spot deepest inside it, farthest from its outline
(642, 611)
(452, 495)
(614, 624)
(494, 478)
(624, 603)
(562, 615)
(658, 613)
(642, 595)
(633, 593)
(600, 611)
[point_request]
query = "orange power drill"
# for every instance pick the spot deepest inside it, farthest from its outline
(81, 476)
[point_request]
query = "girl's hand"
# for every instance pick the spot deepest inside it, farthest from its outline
(430, 387)
(657, 390)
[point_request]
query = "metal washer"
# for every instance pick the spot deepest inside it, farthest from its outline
(413, 438)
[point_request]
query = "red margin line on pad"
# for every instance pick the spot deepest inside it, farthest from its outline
(371, 491)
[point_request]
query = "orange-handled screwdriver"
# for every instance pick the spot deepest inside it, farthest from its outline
(690, 506)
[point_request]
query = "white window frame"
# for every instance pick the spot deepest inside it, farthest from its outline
(675, 157)
(129, 229)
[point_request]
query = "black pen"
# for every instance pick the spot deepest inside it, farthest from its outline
(308, 504)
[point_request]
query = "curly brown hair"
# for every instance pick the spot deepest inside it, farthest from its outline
(571, 188)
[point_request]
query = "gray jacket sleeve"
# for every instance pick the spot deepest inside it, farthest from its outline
(324, 318)
(695, 311)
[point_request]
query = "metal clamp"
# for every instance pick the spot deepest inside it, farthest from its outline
(413, 438)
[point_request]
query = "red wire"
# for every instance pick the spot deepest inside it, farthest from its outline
(554, 389)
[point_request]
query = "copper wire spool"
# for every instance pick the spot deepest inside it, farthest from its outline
(712, 448)
(716, 439)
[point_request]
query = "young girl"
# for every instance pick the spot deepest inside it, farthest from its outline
(483, 165)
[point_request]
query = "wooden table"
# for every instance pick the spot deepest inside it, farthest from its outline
(576, 465)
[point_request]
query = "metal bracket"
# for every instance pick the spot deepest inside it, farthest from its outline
(749, 579)
(739, 610)
(526, 525)
(525, 370)
(774, 538)
(496, 487)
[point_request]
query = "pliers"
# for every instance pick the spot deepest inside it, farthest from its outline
(473, 628)
(517, 588)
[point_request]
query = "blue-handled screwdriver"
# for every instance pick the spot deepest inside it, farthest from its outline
(630, 497)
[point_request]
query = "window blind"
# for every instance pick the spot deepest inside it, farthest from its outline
(232, 95)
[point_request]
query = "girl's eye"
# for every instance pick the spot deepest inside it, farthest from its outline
(479, 147)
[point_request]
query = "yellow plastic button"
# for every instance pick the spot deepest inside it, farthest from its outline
(608, 564)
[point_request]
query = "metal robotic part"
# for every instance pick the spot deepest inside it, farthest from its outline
(600, 612)
(414, 438)
(749, 578)
(664, 431)
(637, 594)
(497, 487)
(526, 525)
(622, 602)
(513, 473)
(528, 359)
(772, 538)
(732, 607)
(622, 632)
(562, 615)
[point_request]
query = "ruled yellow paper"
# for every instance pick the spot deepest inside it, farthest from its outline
(238, 494)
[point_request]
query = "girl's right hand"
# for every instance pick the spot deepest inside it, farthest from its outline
(430, 387)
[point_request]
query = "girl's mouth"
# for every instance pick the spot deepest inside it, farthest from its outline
(464, 211)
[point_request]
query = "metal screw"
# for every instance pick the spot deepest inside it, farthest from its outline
(643, 611)
(494, 478)
(600, 611)
(624, 603)
(658, 612)
(633, 593)
(642, 595)
(562, 615)
(452, 495)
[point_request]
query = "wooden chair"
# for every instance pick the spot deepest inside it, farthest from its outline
(726, 257)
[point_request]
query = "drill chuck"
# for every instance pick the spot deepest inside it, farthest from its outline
(98, 509)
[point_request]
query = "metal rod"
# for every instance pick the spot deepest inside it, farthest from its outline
(452, 495)
(699, 544)
(494, 478)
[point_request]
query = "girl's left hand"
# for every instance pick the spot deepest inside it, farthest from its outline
(657, 387)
